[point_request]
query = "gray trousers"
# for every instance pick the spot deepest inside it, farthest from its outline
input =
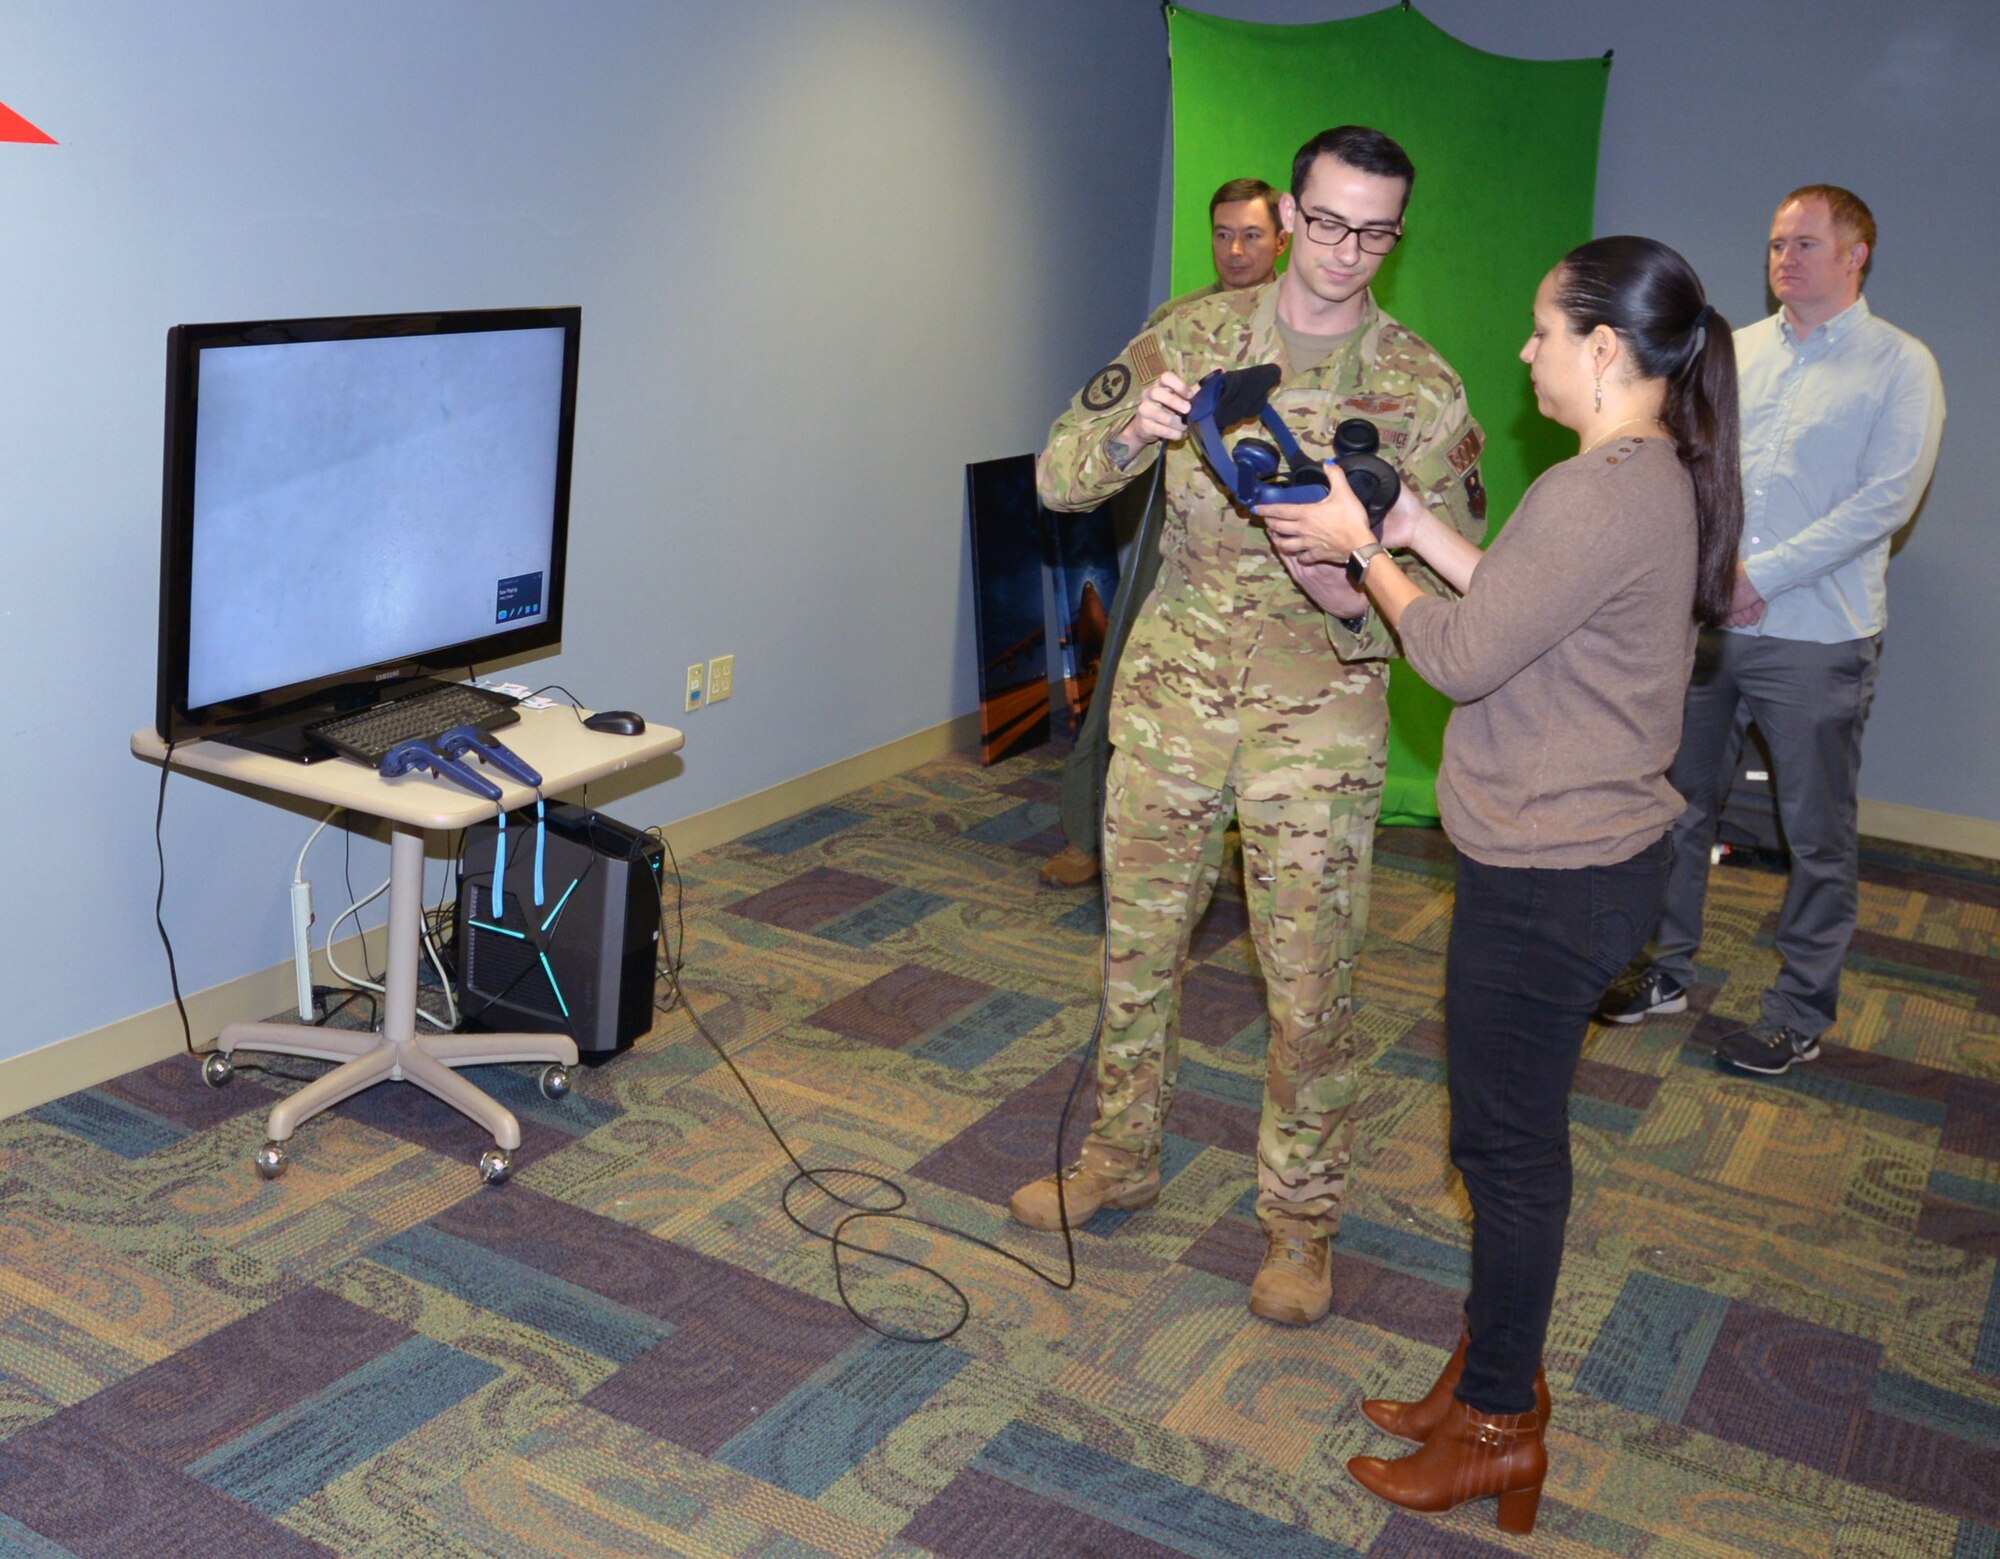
(1810, 701)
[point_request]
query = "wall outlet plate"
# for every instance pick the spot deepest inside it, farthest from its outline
(697, 686)
(721, 677)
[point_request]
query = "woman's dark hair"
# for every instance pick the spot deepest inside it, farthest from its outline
(1652, 299)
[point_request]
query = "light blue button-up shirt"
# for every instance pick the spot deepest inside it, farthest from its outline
(1840, 432)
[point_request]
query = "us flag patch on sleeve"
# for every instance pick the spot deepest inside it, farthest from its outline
(1148, 362)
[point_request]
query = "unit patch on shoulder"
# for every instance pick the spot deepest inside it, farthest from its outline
(1464, 455)
(1107, 387)
(1148, 361)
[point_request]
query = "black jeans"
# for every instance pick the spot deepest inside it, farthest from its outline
(1532, 951)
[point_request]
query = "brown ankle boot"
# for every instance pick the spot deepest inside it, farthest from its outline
(1470, 1455)
(1416, 1420)
(1084, 1191)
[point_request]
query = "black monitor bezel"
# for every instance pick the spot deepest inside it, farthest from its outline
(178, 721)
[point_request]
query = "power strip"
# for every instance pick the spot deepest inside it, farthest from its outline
(302, 919)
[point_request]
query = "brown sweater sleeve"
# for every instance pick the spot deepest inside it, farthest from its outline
(1559, 559)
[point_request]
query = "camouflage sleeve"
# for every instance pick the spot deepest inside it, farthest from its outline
(1075, 472)
(1443, 466)
(1443, 463)
(1363, 638)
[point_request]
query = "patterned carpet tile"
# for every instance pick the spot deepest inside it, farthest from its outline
(1778, 1331)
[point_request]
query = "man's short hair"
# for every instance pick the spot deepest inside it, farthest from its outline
(1852, 219)
(1245, 189)
(1359, 147)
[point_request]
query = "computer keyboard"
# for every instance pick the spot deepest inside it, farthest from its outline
(369, 733)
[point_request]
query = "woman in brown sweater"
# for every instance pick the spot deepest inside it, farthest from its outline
(1568, 655)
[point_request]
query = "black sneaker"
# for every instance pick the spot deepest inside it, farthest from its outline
(1766, 1048)
(1652, 993)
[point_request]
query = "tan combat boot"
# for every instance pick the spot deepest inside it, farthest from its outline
(1069, 867)
(1084, 1191)
(1295, 1284)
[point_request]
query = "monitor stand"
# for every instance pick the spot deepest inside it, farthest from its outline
(288, 741)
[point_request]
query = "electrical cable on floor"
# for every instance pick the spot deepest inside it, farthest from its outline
(859, 1211)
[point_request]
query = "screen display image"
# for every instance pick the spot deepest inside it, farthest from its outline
(358, 502)
(359, 498)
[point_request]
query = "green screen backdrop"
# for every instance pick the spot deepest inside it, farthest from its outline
(1506, 155)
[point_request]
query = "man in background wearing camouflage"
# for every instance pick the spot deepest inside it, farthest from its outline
(1246, 238)
(1233, 680)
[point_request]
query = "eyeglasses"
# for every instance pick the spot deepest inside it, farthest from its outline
(1332, 231)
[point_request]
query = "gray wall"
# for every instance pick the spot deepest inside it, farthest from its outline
(826, 254)
(1715, 109)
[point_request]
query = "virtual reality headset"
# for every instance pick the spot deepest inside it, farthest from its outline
(1258, 471)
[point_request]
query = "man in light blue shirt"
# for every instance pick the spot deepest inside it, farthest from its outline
(1841, 418)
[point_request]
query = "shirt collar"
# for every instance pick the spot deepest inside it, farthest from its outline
(1265, 319)
(1834, 330)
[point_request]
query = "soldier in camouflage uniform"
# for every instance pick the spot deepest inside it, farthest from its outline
(1233, 680)
(1246, 240)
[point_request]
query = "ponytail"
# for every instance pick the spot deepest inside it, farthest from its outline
(1652, 298)
(1701, 414)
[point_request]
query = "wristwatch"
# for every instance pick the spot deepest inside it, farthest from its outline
(1359, 559)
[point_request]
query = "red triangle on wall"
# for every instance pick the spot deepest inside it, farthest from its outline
(14, 128)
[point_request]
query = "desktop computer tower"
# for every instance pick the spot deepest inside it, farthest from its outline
(579, 962)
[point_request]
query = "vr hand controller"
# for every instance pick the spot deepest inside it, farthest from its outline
(419, 754)
(465, 741)
(1252, 470)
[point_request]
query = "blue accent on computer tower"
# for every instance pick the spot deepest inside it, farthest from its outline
(584, 966)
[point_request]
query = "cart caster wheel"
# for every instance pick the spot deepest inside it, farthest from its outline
(555, 1082)
(217, 1068)
(272, 1159)
(495, 1164)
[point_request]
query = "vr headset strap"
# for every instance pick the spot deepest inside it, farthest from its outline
(1287, 445)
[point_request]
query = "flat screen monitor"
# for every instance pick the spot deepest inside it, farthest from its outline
(353, 502)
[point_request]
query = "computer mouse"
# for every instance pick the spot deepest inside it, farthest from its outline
(616, 722)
